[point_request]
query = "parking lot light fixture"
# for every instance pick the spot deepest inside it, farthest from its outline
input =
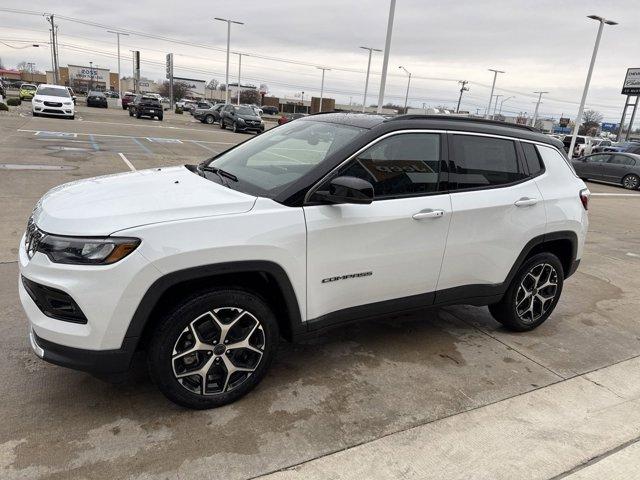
(229, 22)
(502, 103)
(119, 81)
(535, 112)
(576, 125)
(493, 87)
(495, 106)
(406, 96)
(385, 57)
(366, 82)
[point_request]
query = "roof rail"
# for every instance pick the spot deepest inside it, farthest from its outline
(462, 119)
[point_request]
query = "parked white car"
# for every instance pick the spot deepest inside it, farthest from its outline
(319, 222)
(53, 100)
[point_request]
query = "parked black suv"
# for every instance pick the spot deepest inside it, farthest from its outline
(146, 106)
(241, 118)
(96, 99)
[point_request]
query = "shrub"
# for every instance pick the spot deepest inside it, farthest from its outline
(179, 110)
(3, 107)
(13, 102)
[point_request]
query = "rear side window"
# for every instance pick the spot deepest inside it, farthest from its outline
(484, 162)
(534, 162)
(402, 165)
(621, 160)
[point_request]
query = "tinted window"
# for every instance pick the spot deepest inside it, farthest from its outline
(532, 158)
(245, 111)
(484, 161)
(621, 160)
(54, 92)
(598, 158)
(400, 165)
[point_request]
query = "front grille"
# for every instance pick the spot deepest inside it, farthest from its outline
(54, 303)
(53, 104)
(51, 110)
(32, 238)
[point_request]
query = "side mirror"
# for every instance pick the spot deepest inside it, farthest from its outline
(346, 190)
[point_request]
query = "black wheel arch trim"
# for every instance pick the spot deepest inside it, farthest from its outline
(158, 288)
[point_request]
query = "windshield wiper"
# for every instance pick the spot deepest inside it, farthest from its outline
(222, 174)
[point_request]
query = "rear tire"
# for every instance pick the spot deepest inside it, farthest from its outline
(532, 295)
(631, 182)
(212, 334)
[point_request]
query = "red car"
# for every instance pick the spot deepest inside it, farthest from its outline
(127, 99)
(287, 117)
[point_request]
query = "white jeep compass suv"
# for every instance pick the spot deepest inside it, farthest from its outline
(328, 219)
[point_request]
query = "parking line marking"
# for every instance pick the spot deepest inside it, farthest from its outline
(615, 195)
(126, 160)
(123, 136)
(163, 140)
(204, 146)
(634, 255)
(141, 145)
(95, 146)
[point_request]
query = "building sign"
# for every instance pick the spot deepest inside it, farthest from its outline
(610, 127)
(195, 88)
(88, 74)
(631, 84)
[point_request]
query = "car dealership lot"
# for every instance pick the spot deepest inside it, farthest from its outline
(447, 388)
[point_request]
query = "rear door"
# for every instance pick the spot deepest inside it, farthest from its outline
(617, 167)
(497, 209)
(391, 249)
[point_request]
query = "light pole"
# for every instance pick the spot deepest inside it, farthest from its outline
(502, 103)
(463, 88)
(229, 22)
(239, 73)
(366, 82)
(31, 65)
(119, 84)
(493, 86)
(406, 95)
(535, 112)
(90, 76)
(322, 85)
(588, 81)
(495, 106)
(385, 60)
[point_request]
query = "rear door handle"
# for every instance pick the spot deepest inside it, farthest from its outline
(428, 213)
(525, 202)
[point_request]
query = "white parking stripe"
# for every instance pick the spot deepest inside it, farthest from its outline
(126, 160)
(615, 195)
(125, 136)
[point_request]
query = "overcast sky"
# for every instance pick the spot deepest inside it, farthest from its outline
(542, 45)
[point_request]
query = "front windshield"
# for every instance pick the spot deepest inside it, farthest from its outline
(54, 92)
(245, 111)
(267, 164)
(28, 87)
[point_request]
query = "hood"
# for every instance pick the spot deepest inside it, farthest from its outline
(249, 117)
(103, 205)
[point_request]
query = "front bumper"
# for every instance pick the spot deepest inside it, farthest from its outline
(99, 362)
(64, 111)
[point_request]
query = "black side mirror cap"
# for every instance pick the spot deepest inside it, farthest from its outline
(346, 190)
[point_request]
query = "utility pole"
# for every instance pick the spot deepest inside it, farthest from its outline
(322, 85)
(602, 22)
(535, 112)
(54, 47)
(463, 88)
(406, 95)
(385, 61)
(169, 71)
(119, 82)
(366, 82)
(31, 65)
(90, 77)
(493, 86)
(229, 22)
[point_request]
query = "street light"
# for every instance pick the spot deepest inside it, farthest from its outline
(20, 48)
(602, 21)
(90, 76)
(322, 85)
(495, 106)
(502, 103)
(385, 58)
(229, 22)
(366, 82)
(119, 84)
(406, 96)
(493, 86)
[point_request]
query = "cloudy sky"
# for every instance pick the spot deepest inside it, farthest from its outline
(541, 45)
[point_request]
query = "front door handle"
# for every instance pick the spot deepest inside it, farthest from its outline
(428, 213)
(525, 202)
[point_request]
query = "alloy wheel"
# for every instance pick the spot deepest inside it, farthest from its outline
(218, 351)
(631, 182)
(536, 292)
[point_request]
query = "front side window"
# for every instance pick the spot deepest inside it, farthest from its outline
(268, 163)
(401, 165)
(484, 162)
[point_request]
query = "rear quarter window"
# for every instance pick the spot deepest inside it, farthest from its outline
(532, 158)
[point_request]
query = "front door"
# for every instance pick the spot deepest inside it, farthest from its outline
(390, 250)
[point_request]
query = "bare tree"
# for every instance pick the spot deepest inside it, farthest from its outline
(213, 84)
(592, 116)
(23, 67)
(250, 96)
(179, 89)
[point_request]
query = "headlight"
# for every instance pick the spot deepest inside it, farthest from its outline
(68, 103)
(240, 120)
(84, 251)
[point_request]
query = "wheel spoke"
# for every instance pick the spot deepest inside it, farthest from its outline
(224, 328)
(231, 369)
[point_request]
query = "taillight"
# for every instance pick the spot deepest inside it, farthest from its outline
(584, 197)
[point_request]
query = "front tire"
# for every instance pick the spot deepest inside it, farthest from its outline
(532, 295)
(631, 182)
(213, 348)
(235, 127)
(209, 119)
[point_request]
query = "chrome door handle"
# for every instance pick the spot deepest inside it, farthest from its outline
(525, 202)
(428, 213)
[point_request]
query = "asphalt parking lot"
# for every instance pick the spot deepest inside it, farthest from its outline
(449, 389)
